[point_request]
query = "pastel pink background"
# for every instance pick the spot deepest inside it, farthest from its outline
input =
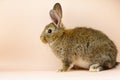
(22, 21)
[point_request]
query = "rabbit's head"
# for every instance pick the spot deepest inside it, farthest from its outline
(55, 29)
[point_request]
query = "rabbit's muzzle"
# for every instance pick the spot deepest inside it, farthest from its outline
(43, 39)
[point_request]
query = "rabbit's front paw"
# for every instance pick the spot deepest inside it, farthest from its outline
(62, 70)
(95, 68)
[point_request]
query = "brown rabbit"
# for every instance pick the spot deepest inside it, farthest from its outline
(84, 47)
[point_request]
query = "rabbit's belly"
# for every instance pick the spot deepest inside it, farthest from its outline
(82, 63)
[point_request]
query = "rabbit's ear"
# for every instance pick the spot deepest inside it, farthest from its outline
(54, 16)
(57, 7)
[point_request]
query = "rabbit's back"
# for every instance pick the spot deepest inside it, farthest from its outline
(92, 39)
(83, 35)
(92, 42)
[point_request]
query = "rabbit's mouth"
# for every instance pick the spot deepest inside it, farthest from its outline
(43, 39)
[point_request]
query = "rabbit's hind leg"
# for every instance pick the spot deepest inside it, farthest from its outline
(109, 65)
(95, 68)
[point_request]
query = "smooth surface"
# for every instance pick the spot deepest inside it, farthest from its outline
(113, 74)
(22, 22)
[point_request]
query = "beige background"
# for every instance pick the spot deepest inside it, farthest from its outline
(22, 21)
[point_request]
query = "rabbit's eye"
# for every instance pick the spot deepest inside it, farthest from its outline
(49, 31)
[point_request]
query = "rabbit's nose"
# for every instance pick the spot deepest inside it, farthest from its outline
(41, 37)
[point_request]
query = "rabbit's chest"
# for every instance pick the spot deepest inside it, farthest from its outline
(60, 49)
(60, 52)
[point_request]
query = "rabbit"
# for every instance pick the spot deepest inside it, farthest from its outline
(84, 47)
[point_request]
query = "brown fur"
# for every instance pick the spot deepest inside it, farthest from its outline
(85, 44)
